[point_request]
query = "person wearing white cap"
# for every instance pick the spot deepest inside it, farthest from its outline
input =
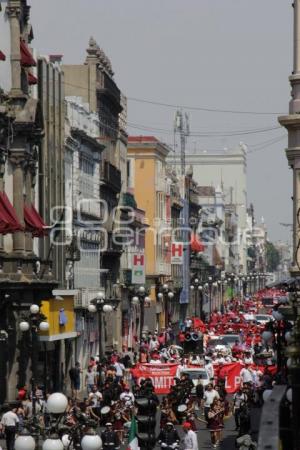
(168, 436)
(110, 438)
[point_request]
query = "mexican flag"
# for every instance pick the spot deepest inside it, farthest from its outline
(132, 441)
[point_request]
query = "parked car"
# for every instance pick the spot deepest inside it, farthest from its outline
(229, 339)
(194, 374)
(249, 317)
(262, 319)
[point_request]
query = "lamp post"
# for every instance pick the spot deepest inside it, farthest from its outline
(141, 298)
(34, 323)
(195, 288)
(168, 295)
(215, 297)
(231, 280)
(222, 286)
(82, 435)
(210, 282)
(102, 305)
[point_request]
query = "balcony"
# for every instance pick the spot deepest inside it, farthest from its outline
(84, 296)
(113, 245)
(108, 88)
(111, 176)
(163, 269)
(194, 198)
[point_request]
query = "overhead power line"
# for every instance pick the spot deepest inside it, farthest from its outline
(205, 133)
(202, 108)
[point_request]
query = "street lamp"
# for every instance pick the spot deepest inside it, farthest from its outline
(81, 435)
(195, 287)
(102, 305)
(210, 281)
(57, 403)
(53, 443)
(34, 323)
(91, 441)
(24, 441)
(141, 297)
(168, 295)
(222, 287)
(231, 280)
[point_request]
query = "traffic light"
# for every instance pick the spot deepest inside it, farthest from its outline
(146, 421)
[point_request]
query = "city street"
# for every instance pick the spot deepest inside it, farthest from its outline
(149, 224)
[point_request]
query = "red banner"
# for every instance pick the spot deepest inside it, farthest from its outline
(231, 373)
(162, 375)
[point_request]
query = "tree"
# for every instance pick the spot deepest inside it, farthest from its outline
(272, 257)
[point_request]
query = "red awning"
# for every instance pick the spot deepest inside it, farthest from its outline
(31, 78)
(9, 222)
(33, 222)
(2, 56)
(27, 59)
(196, 244)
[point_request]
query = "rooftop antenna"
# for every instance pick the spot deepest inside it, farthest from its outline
(182, 127)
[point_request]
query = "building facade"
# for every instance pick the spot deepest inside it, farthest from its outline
(148, 179)
(32, 266)
(93, 81)
(228, 171)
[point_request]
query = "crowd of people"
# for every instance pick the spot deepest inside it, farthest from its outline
(106, 393)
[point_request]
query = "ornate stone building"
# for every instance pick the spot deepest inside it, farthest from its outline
(21, 135)
(93, 81)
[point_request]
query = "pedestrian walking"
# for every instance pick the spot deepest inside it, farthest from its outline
(239, 398)
(209, 395)
(90, 379)
(215, 422)
(74, 374)
(190, 441)
(9, 425)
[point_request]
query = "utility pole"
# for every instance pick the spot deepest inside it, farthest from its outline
(181, 126)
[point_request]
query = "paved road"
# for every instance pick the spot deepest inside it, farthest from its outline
(229, 434)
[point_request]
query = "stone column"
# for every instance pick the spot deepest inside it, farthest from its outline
(292, 123)
(28, 200)
(18, 160)
(296, 36)
(13, 11)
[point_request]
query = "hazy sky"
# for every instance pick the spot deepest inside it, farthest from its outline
(219, 54)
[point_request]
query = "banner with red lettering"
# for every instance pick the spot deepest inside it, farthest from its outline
(162, 375)
(231, 374)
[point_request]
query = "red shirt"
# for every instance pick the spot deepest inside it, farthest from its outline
(181, 337)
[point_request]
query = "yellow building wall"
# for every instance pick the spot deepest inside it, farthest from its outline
(145, 196)
(50, 308)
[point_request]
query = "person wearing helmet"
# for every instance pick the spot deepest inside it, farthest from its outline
(168, 437)
(110, 438)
